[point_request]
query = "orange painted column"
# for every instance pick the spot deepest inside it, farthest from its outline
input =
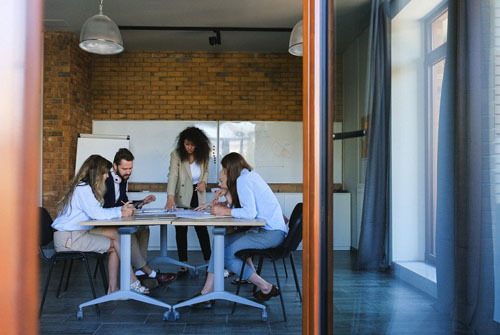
(20, 68)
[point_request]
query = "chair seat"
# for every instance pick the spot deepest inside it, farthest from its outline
(274, 253)
(61, 255)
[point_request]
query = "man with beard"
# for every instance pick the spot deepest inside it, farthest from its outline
(116, 195)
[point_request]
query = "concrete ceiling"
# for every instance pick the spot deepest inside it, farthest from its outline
(351, 17)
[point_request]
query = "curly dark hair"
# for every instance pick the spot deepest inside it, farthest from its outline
(200, 141)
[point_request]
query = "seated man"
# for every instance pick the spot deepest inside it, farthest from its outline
(116, 195)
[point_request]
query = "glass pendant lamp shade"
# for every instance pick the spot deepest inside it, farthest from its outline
(296, 38)
(100, 35)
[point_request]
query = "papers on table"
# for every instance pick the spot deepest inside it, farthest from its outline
(145, 211)
(179, 213)
(192, 214)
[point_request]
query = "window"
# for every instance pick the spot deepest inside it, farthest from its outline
(436, 27)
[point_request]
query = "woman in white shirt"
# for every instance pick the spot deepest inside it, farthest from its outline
(251, 198)
(187, 184)
(83, 201)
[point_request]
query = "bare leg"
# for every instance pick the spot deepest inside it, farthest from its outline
(113, 268)
(250, 263)
(258, 281)
(112, 234)
(209, 284)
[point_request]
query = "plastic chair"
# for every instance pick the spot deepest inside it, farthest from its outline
(48, 254)
(282, 251)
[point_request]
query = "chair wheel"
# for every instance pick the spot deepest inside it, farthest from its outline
(79, 314)
(171, 316)
(264, 315)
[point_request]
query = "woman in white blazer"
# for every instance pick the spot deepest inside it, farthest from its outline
(187, 184)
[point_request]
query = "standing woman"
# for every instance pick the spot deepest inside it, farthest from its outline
(251, 198)
(82, 202)
(187, 184)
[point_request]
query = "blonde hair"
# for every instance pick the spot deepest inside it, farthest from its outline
(91, 173)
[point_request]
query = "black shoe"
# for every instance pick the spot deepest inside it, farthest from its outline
(148, 282)
(182, 272)
(265, 297)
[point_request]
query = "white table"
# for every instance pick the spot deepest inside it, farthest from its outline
(163, 258)
(129, 225)
(220, 227)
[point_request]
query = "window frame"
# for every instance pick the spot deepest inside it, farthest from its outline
(431, 58)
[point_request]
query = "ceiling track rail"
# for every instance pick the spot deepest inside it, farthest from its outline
(173, 28)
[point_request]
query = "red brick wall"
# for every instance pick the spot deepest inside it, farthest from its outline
(165, 85)
(66, 111)
(140, 85)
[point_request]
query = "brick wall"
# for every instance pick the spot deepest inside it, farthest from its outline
(66, 111)
(197, 86)
(139, 85)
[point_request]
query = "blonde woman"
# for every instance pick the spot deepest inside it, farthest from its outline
(83, 201)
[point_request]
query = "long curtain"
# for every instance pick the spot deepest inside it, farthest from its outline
(372, 250)
(464, 232)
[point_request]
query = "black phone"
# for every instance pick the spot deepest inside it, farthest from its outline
(136, 203)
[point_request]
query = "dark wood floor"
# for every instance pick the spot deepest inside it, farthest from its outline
(365, 303)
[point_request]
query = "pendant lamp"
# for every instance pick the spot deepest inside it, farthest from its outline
(100, 35)
(296, 38)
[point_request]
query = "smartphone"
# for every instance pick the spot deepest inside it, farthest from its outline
(136, 203)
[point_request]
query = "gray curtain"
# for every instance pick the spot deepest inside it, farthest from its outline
(372, 250)
(464, 248)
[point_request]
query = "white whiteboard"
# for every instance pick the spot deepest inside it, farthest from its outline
(273, 149)
(97, 145)
(151, 143)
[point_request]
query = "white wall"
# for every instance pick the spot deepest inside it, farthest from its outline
(355, 65)
(408, 131)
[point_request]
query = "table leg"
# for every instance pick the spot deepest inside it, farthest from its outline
(219, 293)
(163, 258)
(125, 293)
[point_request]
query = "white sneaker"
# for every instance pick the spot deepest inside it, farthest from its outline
(226, 273)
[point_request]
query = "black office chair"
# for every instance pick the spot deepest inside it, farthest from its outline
(47, 253)
(282, 251)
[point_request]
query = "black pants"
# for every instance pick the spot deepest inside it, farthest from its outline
(201, 231)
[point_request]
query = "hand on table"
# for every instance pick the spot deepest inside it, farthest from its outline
(128, 209)
(170, 205)
(220, 210)
(203, 207)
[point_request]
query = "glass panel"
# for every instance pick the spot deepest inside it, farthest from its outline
(436, 81)
(439, 30)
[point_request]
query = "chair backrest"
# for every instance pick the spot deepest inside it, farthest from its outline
(46, 231)
(294, 236)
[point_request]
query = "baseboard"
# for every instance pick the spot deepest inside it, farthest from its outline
(418, 274)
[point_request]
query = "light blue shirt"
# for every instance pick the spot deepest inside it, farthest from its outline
(257, 200)
(84, 207)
